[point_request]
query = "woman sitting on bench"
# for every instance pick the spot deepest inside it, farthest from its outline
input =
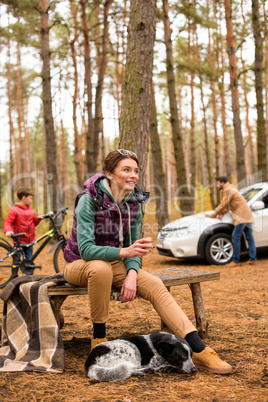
(104, 250)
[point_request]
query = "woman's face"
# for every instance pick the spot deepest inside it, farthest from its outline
(124, 176)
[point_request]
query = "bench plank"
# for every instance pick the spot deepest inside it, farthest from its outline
(171, 276)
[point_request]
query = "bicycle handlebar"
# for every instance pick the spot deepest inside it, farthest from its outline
(51, 215)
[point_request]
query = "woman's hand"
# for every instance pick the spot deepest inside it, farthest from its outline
(139, 248)
(129, 288)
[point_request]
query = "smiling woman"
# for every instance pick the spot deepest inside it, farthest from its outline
(104, 250)
(123, 179)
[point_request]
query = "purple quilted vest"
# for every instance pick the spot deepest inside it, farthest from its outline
(107, 216)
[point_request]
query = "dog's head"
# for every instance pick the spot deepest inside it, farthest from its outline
(177, 353)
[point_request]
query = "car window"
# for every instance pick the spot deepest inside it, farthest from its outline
(264, 199)
(249, 194)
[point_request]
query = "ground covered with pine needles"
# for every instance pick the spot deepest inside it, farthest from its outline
(236, 309)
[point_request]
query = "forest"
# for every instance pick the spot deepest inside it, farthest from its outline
(184, 84)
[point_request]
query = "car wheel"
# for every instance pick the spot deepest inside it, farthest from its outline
(219, 249)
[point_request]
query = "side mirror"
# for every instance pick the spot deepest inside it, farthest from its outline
(257, 206)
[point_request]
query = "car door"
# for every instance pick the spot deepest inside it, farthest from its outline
(260, 226)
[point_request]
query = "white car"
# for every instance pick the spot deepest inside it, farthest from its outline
(210, 238)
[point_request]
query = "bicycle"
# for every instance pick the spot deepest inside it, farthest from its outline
(12, 258)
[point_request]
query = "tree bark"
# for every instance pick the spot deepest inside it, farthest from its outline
(186, 202)
(209, 169)
(137, 86)
(208, 163)
(90, 155)
(101, 74)
(27, 148)
(20, 153)
(221, 86)
(65, 174)
(159, 174)
(258, 69)
(266, 82)
(47, 103)
(192, 130)
(212, 63)
(77, 148)
(250, 154)
(11, 126)
(231, 49)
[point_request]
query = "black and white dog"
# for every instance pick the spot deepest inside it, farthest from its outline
(123, 358)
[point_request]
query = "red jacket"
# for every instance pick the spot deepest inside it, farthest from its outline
(21, 219)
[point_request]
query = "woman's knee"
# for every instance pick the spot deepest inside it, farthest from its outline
(99, 270)
(153, 288)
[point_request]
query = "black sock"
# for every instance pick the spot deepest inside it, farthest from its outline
(99, 330)
(195, 342)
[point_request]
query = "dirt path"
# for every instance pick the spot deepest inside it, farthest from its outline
(236, 308)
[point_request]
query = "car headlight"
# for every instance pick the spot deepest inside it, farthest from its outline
(176, 232)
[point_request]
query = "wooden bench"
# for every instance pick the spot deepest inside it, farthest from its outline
(170, 276)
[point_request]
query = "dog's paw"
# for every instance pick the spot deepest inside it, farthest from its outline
(167, 369)
(138, 374)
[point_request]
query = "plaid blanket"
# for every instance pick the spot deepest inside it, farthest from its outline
(31, 339)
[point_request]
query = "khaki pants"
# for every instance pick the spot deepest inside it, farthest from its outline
(99, 276)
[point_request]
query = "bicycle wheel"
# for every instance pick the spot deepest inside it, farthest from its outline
(7, 269)
(58, 258)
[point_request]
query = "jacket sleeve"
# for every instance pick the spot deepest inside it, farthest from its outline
(9, 221)
(223, 207)
(135, 262)
(85, 213)
(35, 220)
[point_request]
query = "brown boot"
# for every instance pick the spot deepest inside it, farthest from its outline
(233, 264)
(251, 262)
(209, 360)
(96, 341)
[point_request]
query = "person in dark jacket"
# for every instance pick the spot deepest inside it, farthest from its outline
(22, 219)
(104, 250)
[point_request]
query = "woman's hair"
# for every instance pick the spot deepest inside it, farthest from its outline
(113, 158)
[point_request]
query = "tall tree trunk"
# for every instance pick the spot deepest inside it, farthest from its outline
(65, 180)
(206, 147)
(186, 202)
(90, 155)
(27, 149)
(231, 49)
(45, 180)
(101, 74)
(204, 168)
(266, 80)
(120, 56)
(47, 102)
(77, 148)
(1, 212)
(211, 179)
(137, 87)
(258, 69)
(212, 64)
(11, 126)
(159, 174)
(221, 85)
(251, 165)
(184, 138)
(21, 154)
(192, 130)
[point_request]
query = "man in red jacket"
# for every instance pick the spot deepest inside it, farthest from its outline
(21, 219)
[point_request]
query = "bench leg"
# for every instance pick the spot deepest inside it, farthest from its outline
(201, 322)
(56, 303)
